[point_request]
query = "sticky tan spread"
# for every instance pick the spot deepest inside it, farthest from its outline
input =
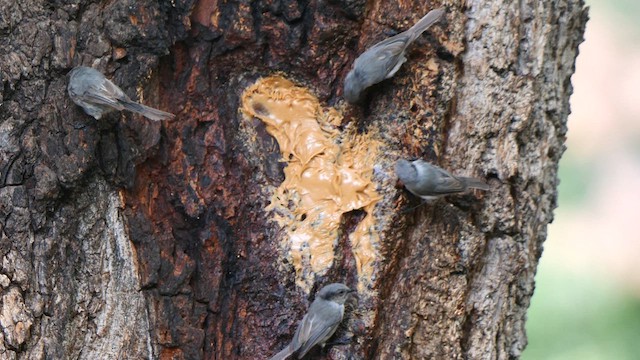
(328, 173)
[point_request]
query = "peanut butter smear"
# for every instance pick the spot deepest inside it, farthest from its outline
(328, 173)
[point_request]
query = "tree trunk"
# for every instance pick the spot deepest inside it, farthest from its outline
(207, 236)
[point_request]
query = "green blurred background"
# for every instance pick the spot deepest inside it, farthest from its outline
(587, 299)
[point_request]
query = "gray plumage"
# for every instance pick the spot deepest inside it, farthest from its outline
(92, 91)
(320, 322)
(429, 181)
(383, 60)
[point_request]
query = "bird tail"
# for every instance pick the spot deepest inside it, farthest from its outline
(148, 112)
(423, 24)
(473, 183)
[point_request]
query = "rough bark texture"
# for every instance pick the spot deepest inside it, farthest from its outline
(126, 239)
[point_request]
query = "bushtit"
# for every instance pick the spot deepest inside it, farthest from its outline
(320, 322)
(430, 182)
(98, 96)
(384, 59)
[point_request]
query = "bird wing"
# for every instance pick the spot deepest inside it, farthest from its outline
(105, 93)
(315, 329)
(396, 44)
(377, 62)
(319, 331)
(436, 179)
(390, 51)
(447, 183)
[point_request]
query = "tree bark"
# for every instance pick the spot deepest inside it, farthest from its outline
(126, 239)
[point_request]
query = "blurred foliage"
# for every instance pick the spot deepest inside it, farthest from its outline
(575, 176)
(625, 10)
(580, 317)
(628, 8)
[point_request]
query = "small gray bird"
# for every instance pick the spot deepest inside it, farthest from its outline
(430, 182)
(384, 59)
(97, 95)
(320, 322)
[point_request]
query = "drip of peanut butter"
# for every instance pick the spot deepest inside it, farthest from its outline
(328, 173)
